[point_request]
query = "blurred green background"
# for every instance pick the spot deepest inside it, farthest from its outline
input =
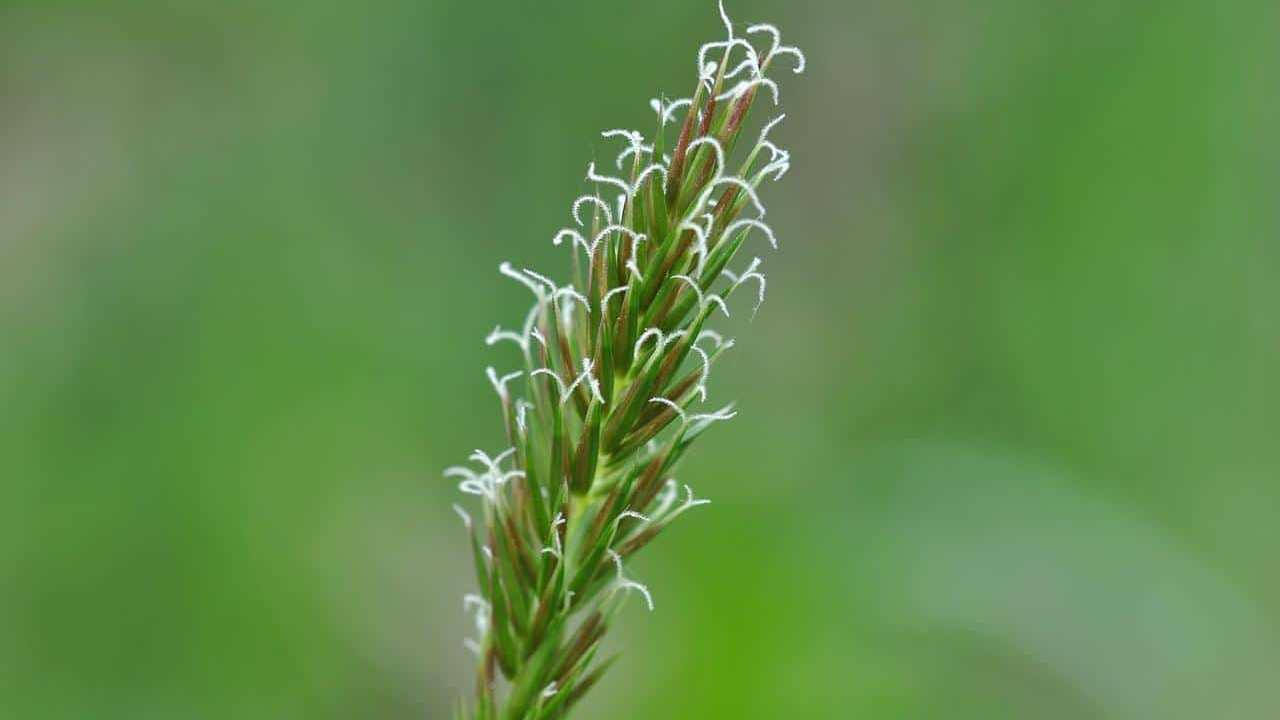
(1009, 437)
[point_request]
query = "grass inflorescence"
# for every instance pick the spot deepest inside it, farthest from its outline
(616, 365)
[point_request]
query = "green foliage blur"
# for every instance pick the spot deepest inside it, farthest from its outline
(1009, 435)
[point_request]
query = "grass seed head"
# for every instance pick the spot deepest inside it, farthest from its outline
(600, 414)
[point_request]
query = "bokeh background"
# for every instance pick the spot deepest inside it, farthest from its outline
(1009, 436)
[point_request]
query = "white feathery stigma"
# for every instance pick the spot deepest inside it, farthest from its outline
(522, 408)
(627, 584)
(662, 339)
(594, 200)
(631, 514)
(778, 48)
(498, 335)
(500, 383)
(699, 422)
(593, 176)
(699, 247)
(701, 388)
(689, 502)
(538, 277)
(703, 298)
(506, 269)
(536, 334)
(670, 491)
(574, 236)
(741, 88)
(671, 404)
(658, 168)
(750, 274)
(749, 223)
(635, 145)
(746, 188)
(466, 517)
(668, 111)
(716, 147)
(714, 337)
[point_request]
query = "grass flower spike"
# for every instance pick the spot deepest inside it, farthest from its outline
(614, 370)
